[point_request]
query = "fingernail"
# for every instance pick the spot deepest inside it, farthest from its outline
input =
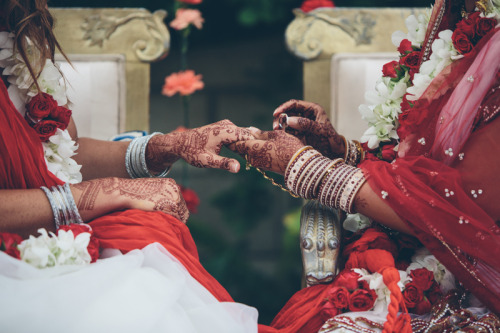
(234, 168)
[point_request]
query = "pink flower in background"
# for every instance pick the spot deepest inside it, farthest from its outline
(185, 17)
(191, 2)
(309, 5)
(183, 82)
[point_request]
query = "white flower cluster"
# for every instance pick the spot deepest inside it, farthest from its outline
(58, 152)
(56, 250)
(384, 104)
(376, 282)
(424, 259)
(356, 222)
(60, 148)
(443, 54)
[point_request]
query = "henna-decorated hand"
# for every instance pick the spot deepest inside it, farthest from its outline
(199, 147)
(270, 150)
(101, 196)
(309, 122)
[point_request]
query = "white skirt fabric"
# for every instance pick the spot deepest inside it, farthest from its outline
(144, 290)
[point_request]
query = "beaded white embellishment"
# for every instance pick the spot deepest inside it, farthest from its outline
(421, 141)
(448, 193)
(461, 156)
(384, 194)
(470, 79)
(449, 152)
(475, 194)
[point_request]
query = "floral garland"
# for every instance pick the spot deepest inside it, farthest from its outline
(45, 111)
(72, 245)
(403, 82)
(423, 279)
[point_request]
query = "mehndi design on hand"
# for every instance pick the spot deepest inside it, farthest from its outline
(309, 122)
(199, 147)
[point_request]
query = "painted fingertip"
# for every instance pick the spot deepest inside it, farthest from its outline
(234, 167)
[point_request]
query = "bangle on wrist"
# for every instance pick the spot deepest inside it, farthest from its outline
(135, 159)
(354, 153)
(63, 205)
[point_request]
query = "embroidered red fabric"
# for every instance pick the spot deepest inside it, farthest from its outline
(446, 187)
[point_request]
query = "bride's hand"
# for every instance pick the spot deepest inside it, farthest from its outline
(309, 122)
(270, 150)
(199, 147)
(101, 196)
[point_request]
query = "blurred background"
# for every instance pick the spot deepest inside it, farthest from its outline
(245, 228)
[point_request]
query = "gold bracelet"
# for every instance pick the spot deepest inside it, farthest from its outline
(361, 152)
(248, 166)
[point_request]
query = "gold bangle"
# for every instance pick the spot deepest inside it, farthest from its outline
(346, 147)
(361, 152)
(331, 168)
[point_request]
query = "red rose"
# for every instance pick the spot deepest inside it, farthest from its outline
(422, 278)
(61, 115)
(191, 198)
(41, 106)
(9, 242)
(309, 5)
(348, 279)
(423, 307)
(328, 311)
(468, 26)
(411, 60)
(362, 300)
(405, 47)
(339, 297)
(412, 295)
(484, 25)
(405, 104)
(388, 152)
(434, 293)
(46, 128)
(391, 69)
(461, 42)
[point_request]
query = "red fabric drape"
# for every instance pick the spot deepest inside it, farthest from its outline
(21, 154)
(453, 209)
(23, 167)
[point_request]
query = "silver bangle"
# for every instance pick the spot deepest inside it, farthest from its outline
(135, 159)
(63, 205)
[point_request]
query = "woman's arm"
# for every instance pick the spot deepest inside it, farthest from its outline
(273, 151)
(25, 211)
(199, 147)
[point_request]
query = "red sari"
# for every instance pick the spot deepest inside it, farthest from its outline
(23, 167)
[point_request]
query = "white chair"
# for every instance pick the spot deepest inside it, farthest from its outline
(110, 51)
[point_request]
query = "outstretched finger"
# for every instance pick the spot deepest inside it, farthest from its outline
(224, 163)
